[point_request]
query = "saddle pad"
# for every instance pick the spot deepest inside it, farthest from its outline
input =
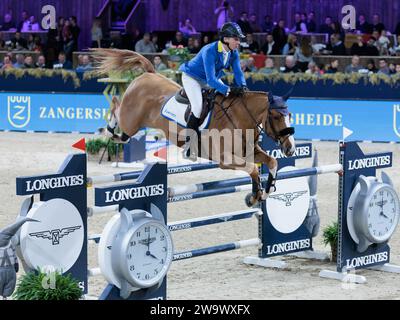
(175, 111)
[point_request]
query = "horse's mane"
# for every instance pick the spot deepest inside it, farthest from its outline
(115, 61)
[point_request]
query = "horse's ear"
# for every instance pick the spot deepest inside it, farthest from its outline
(288, 94)
(270, 98)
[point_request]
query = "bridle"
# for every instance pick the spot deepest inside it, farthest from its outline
(278, 136)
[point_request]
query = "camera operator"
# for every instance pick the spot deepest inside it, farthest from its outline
(224, 13)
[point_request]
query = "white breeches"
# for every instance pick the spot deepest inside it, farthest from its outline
(193, 92)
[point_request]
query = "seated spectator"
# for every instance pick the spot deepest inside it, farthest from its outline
(359, 48)
(250, 46)
(18, 43)
(303, 54)
(317, 47)
(187, 29)
(243, 66)
(30, 25)
(299, 24)
(398, 69)
(383, 67)
(86, 64)
(205, 41)
(279, 34)
(28, 63)
(392, 68)
(41, 62)
(191, 46)
(145, 45)
(7, 63)
(313, 68)
(20, 61)
(30, 42)
(383, 44)
(371, 66)
(377, 25)
(326, 27)
(310, 23)
(251, 65)
(158, 64)
(154, 39)
(363, 26)
(62, 62)
(333, 67)
(196, 46)
(267, 25)
(96, 33)
(255, 27)
(270, 47)
(269, 67)
(290, 65)
(179, 40)
(336, 47)
(291, 45)
(244, 24)
(354, 67)
(8, 24)
(371, 49)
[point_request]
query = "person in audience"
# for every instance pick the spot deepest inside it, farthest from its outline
(224, 13)
(3, 46)
(392, 68)
(333, 67)
(383, 67)
(86, 64)
(267, 25)
(62, 62)
(30, 25)
(354, 67)
(154, 39)
(310, 23)
(279, 35)
(24, 18)
(371, 66)
(196, 46)
(377, 25)
(19, 61)
(96, 33)
(192, 49)
(398, 69)
(187, 28)
(251, 65)
(359, 48)
(299, 24)
(255, 27)
(268, 67)
(371, 49)
(18, 42)
(179, 40)
(145, 45)
(336, 47)
(244, 24)
(8, 24)
(363, 26)
(303, 54)
(326, 27)
(395, 50)
(243, 66)
(205, 40)
(290, 65)
(75, 32)
(383, 44)
(158, 64)
(29, 63)
(270, 47)
(7, 63)
(251, 46)
(41, 62)
(291, 45)
(313, 69)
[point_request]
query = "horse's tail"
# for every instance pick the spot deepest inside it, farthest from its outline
(111, 61)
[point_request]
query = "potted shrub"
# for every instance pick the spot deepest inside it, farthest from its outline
(330, 236)
(47, 286)
(94, 149)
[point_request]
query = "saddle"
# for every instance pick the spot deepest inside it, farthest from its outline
(208, 102)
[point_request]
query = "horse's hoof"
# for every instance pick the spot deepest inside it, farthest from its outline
(250, 200)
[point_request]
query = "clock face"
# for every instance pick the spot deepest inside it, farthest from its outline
(149, 253)
(383, 213)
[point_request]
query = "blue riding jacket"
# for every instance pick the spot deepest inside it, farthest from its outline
(207, 66)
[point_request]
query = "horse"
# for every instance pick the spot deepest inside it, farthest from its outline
(142, 102)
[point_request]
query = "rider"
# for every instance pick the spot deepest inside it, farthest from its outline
(206, 69)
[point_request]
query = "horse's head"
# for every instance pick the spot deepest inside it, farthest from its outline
(277, 124)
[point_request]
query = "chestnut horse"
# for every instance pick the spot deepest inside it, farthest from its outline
(252, 112)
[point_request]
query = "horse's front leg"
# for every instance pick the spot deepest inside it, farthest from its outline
(260, 156)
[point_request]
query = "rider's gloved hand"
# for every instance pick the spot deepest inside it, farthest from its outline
(238, 91)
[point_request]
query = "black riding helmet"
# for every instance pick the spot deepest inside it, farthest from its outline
(231, 30)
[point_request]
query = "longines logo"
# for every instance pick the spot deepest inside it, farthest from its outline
(288, 197)
(396, 120)
(19, 110)
(54, 235)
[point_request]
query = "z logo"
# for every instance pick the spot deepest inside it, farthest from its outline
(19, 110)
(396, 122)
(54, 235)
(288, 197)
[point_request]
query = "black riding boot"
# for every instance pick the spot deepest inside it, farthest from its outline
(192, 136)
